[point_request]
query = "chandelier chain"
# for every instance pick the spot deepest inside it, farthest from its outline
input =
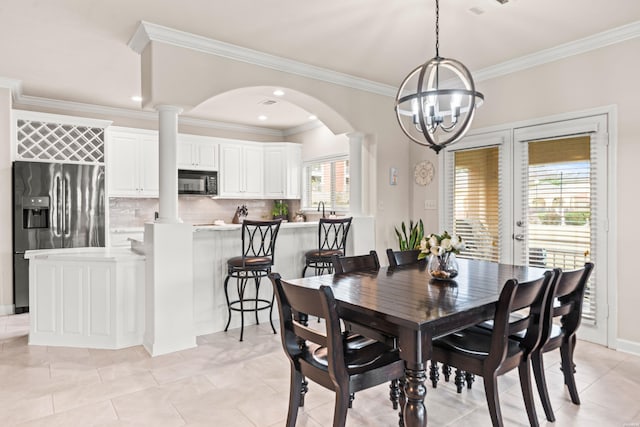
(437, 28)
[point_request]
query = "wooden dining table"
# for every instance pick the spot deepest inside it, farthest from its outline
(406, 303)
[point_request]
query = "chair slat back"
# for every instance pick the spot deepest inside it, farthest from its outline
(259, 238)
(332, 233)
(567, 300)
(515, 296)
(399, 258)
(349, 264)
(294, 300)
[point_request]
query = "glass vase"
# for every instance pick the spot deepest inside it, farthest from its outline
(443, 267)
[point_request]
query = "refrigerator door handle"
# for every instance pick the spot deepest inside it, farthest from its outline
(58, 208)
(66, 218)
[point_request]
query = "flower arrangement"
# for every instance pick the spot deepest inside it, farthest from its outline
(440, 247)
(439, 244)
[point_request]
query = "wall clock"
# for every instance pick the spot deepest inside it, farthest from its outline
(423, 172)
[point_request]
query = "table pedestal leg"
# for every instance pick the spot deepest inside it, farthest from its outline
(415, 413)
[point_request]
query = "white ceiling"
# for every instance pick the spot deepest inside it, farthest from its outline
(76, 50)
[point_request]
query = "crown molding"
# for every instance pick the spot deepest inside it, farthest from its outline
(148, 32)
(302, 128)
(211, 124)
(576, 47)
(83, 108)
(14, 85)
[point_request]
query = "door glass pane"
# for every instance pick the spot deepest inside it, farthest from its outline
(476, 202)
(559, 204)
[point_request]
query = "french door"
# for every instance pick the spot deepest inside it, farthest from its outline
(535, 195)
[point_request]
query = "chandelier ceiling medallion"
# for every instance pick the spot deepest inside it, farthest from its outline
(436, 102)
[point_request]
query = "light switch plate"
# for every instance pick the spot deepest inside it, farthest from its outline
(430, 204)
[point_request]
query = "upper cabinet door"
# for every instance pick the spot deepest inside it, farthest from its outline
(207, 155)
(197, 153)
(184, 150)
(132, 163)
(122, 165)
(275, 171)
(149, 166)
(241, 170)
(253, 171)
(231, 170)
(294, 172)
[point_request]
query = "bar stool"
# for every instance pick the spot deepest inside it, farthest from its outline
(332, 240)
(258, 246)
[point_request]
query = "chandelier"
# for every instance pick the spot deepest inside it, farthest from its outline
(436, 102)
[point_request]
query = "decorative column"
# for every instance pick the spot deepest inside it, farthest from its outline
(362, 234)
(168, 136)
(169, 318)
(356, 140)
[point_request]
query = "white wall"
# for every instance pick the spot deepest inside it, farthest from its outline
(6, 207)
(320, 142)
(6, 242)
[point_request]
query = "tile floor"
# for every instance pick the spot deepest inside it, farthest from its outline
(223, 382)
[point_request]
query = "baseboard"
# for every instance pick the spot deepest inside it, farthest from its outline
(6, 310)
(626, 346)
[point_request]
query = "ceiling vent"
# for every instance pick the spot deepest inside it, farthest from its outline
(267, 102)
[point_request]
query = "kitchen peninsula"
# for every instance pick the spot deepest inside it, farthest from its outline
(94, 297)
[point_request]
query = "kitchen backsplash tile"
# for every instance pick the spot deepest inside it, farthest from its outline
(132, 212)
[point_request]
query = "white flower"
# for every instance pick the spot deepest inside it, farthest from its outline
(459, 245)
(433, 241)
(446, 244)
(435, 250)
(423, 245)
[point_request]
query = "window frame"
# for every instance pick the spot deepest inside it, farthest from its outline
(306, 197)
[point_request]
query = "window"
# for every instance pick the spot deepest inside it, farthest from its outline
(327, 180)
(476, 203)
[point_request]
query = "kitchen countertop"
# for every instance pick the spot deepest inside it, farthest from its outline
(85, 254)
(127, 230)
(227, 227)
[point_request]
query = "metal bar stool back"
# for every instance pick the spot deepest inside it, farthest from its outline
(258, 248)
(332, 240)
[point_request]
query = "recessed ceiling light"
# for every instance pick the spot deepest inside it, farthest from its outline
(262, 117)
(313, 117)
(278, 92)
(136, 98)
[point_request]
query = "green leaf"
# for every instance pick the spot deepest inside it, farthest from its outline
(401, 242)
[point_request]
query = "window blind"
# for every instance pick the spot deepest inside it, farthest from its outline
(476, 202)
(561, 209)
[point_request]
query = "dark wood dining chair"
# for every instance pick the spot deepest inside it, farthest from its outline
(332, 240)
(356, 335)
(400, 258)
(323, 357)
(492, 353)
(350, 264)
(565, 306)
(258, 248)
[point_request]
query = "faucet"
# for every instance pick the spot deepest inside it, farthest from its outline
(322, 208)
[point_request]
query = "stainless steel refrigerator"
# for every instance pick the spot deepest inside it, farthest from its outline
(55, 205)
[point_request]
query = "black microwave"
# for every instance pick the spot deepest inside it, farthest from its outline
(203, 183)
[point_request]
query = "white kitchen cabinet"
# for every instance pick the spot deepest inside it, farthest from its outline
(282, 170)
(241, 170)
(132, 163)
(197, 153)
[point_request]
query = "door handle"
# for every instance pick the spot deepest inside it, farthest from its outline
(58, 208)
(519, 237)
